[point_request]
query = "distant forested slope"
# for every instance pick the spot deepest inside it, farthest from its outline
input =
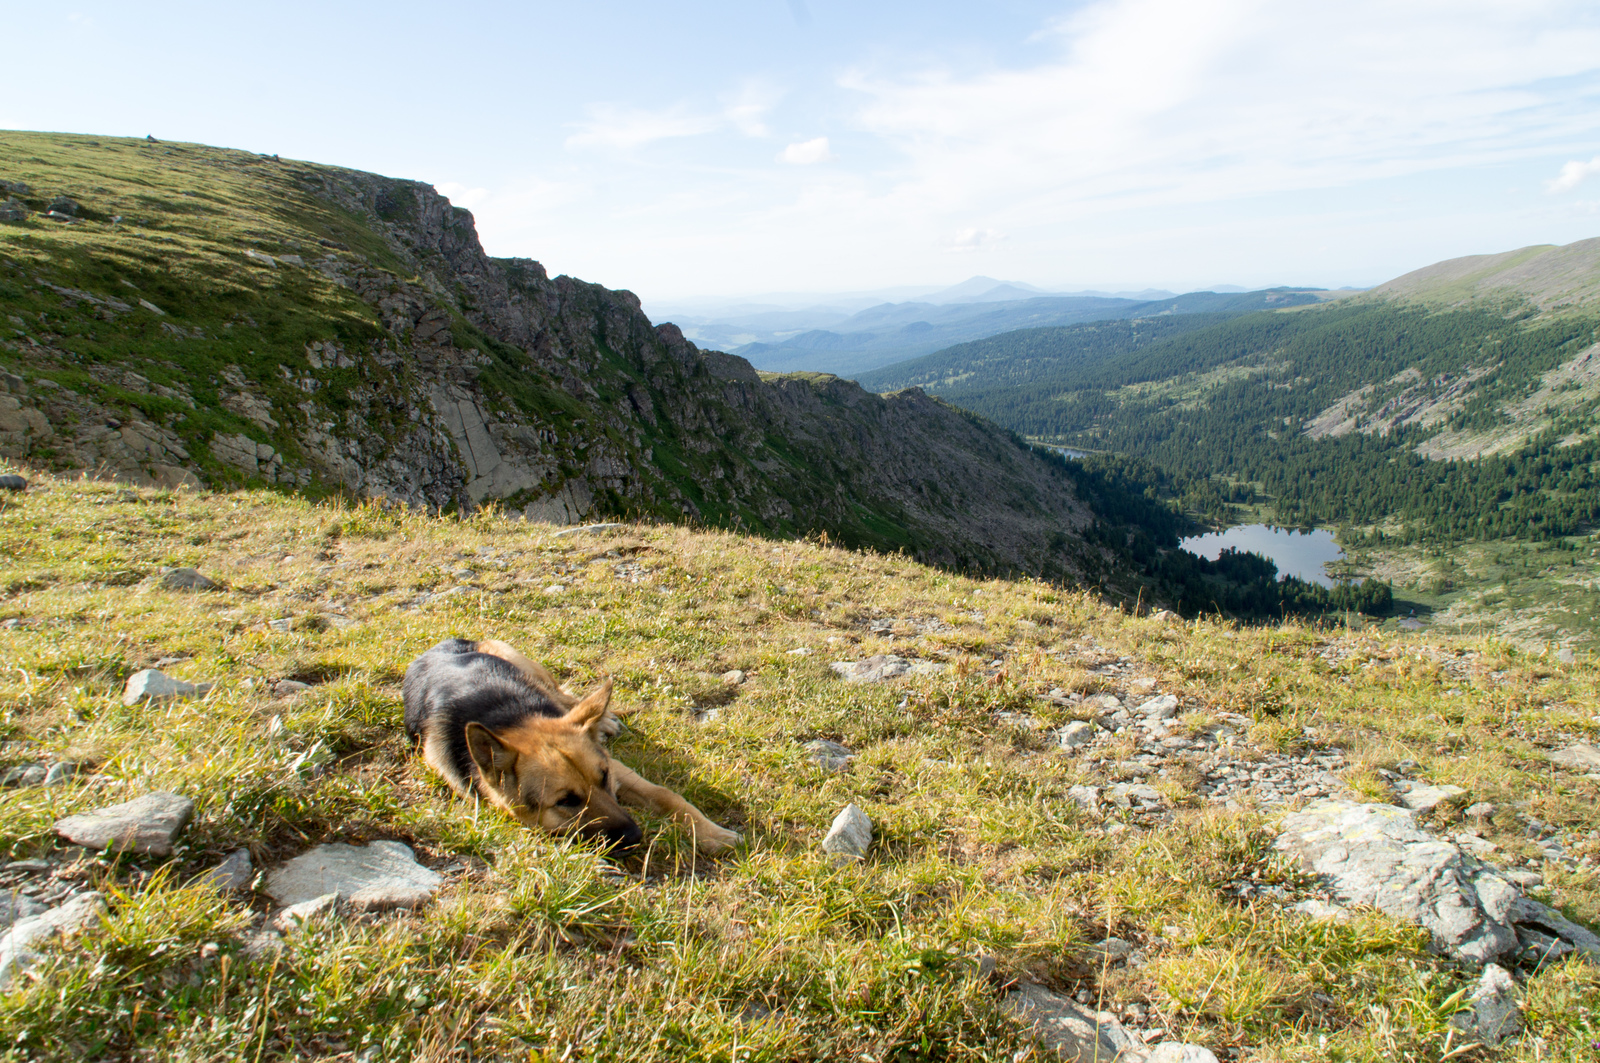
(1458, 423)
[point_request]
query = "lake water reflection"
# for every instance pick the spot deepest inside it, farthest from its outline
(1296, 553)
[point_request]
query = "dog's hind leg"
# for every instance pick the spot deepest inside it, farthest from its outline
(634, 789)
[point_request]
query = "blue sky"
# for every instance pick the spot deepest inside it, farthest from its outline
(734, 148)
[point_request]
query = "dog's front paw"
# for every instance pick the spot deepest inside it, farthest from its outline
(714, 839)
(610, 725)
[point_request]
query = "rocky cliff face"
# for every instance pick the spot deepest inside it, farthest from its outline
(336, 330)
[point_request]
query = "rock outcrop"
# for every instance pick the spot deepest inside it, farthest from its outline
(447, 378)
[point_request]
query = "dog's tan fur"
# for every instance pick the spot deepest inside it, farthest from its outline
(527, 770)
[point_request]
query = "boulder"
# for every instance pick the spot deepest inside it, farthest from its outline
(16, 906)
(1075, 734)
(1376, 855)
(1492, 1014)
(373, 877)
(1580, 756)
(12, 482)
(1075, 1033)
(879, 667)
(830, 755)
(850, 835)
(1426, 798)
(1163, 708)
(153, 685)
(186, 579)
(234, 873)
(17, 947)
(147, 824)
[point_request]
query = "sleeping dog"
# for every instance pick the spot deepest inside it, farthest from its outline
(496, 724)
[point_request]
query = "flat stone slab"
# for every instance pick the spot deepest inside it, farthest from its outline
(882, 666)
(147, 824)
(1162, 708)
(1075, 734)
(373, 877)
(153, 685)
(850, 834)
(1580, 756)
(16, 906)
(1376, 855)
(1075, 1033)
(18, 948)
(1426, 798)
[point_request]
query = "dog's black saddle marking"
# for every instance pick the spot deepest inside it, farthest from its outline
(453, 685)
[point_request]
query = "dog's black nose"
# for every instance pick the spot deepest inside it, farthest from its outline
(625, 837)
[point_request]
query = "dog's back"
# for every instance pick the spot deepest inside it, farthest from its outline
(453, 685)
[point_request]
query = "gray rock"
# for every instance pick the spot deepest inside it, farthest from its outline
(1077, 1034)
(733, 677)
(1178, 1052)
(1085, 797)
(12, 209)
(1566, 656)
(1531, 916)
(879, 667)
(187, 579)
(25, 775)
(288, 688)
(296, 916)
(586, 528)
(1162, 708)
(1376, 855)
(234, 873)
(1124, 794)
(1493, 1013)
(1322, 911)
(1110, 950)
(830, 755)
(373, 877)
(153, 685)
(1075, 734)
(1481, 810)
(13, 482)
(851, 833)
(60, 772)
(282, 625)
(147, 824)
(1580, 756)
(259, 944)
(18, 946)
(1427, 798)
(15, 906)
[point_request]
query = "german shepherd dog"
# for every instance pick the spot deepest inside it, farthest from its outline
(496, 724)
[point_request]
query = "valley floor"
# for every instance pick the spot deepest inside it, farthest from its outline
(1043, 822)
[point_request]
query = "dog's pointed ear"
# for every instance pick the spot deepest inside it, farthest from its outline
(589, 711)
(492, 756)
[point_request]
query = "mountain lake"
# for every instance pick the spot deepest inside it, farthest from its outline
(1296, 553)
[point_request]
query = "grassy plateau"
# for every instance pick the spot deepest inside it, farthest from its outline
(982, 873)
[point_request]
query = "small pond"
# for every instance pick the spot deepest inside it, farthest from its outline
(1296, 553)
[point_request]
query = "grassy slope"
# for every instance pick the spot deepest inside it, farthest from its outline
(539, 947)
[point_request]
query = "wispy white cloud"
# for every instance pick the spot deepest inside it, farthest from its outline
(612, 126)
(1572, 175)
(1174, 101)
(974, 239)
(807, 152)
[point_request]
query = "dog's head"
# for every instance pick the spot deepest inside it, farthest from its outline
(554, 773)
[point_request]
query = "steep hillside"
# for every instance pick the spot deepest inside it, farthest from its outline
(177, 314)
(1068, 802)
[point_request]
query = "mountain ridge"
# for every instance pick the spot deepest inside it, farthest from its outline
(336, 331)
